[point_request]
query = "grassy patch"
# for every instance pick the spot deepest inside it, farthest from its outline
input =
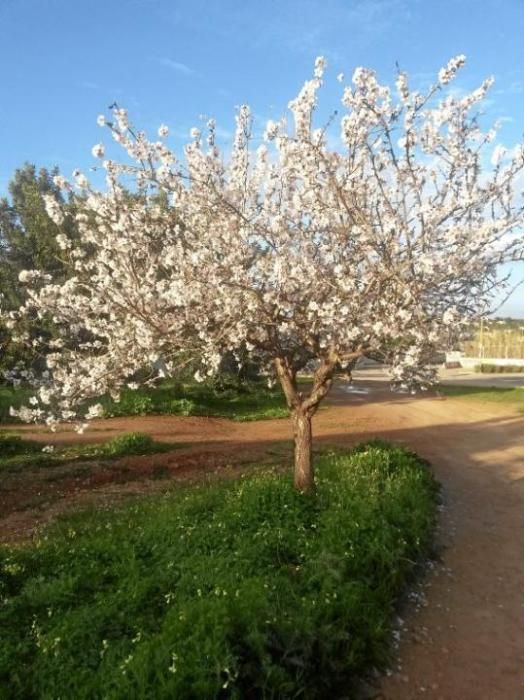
(250, 401)
(16, 453)
(513, 396)
(241, 589)
(11, 397)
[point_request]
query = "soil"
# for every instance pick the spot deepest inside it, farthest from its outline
(463, 638)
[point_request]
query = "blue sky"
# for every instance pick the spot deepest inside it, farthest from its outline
(64, 61)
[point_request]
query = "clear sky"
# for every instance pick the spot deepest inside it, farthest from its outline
(64, 61)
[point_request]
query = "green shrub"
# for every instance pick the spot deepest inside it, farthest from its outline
(241, 589)
(132, 403)
(246, 401)
(16, 453)
(11, 445)
(486, 368)
(511, 396)
(128, 444)
(11, 397)
(182, 407)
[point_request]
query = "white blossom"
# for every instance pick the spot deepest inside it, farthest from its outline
(98, 150)
(95, 411)
(271, 131)
(53, 209)
(498, 154)
(448, 73)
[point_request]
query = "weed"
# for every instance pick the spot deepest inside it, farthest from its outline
(226, 589)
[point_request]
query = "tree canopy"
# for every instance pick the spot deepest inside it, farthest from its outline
(27, 234)
(28, 240)
(318, 245)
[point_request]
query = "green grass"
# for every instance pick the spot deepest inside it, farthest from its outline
(251, 401)
(11, 397)
(228, 589)
(513, 396)
(16, 453)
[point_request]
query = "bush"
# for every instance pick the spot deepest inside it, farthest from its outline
(128, 444)
(12, 445)
(133, 403)
(16, 453)
(11, 397)
(246, 401)
(182, 407)
(241, 589)
(486, 368)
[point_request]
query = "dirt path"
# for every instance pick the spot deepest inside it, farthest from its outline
(467, 643)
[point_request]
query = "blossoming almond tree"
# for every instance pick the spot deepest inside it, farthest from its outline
(299, 251)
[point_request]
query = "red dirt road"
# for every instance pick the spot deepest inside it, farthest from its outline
(467, 643)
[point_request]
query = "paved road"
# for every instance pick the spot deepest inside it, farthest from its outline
(461, 377)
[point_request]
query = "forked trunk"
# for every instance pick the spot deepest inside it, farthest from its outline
(304, 473)
(302, 408)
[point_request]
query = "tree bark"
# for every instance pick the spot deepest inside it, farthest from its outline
(304, 476)
(303, 408)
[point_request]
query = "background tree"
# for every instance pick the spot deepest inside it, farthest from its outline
(27, 234)
(28, 240)
(301, 252)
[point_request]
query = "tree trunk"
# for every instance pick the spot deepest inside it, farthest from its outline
(303, 473)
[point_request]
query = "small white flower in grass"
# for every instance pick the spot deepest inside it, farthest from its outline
(48, 449)
(98, 150)
(172, 667)
(133, 386)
